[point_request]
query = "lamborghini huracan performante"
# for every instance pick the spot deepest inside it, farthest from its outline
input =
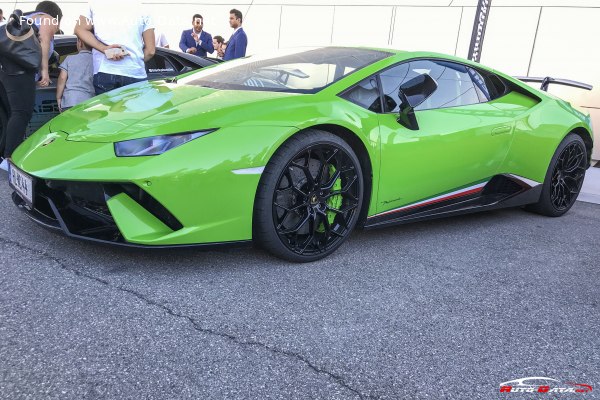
(294, 150)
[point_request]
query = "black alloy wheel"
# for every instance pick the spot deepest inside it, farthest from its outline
(315, 199)
(314, 189)
(567, 177)
(564, 178)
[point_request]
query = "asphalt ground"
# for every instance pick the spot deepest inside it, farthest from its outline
(442, 309)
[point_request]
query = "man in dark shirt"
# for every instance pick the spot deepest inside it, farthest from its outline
(196, 40)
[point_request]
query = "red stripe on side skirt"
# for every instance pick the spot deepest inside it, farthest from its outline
(454, 196)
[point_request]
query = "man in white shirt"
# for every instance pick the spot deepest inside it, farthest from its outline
(161, 40)
(121, 35)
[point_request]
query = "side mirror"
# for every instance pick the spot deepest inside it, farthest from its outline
(413, 93)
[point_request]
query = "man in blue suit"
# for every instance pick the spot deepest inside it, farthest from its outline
(195, 40)
(236, 47)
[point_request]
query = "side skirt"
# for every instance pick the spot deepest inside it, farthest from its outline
(502, 191)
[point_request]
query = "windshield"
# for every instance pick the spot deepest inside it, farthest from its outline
(306, 71)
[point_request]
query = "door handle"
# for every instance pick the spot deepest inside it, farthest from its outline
(501, 129)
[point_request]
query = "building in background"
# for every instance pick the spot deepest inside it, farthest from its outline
(523, 37)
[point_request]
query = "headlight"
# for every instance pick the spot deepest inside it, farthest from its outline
(155, 145)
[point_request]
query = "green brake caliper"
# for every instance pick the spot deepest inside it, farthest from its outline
(333, 201)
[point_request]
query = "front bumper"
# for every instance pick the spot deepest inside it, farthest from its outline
(199, 183)
(84, 210)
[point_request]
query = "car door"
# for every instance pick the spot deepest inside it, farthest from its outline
(460, 144)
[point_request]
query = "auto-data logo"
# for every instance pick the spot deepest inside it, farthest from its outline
(540, 384)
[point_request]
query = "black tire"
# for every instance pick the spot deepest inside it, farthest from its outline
(309, 197)
(564, 178)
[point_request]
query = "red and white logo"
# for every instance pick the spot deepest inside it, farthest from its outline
(540, 384)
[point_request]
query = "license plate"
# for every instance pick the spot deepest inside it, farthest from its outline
(22, 183)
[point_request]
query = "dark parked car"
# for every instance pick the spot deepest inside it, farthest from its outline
(166, 63)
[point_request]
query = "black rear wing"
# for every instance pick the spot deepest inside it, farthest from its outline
(545, 82)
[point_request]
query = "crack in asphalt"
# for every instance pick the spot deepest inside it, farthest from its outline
(195, 324)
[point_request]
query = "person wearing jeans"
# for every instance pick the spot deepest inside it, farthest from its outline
(104, 82)
(18, 86)
(120, 47)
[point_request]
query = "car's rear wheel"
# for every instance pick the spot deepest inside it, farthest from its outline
(309, 197)
(564, 178)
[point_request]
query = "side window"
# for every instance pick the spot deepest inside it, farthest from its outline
(485, 92)
(455, 86)
(496, 87)
(391, 80)
(365, 94)
(458, 85)
(160, 66)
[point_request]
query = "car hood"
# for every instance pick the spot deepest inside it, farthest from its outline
(157, 108)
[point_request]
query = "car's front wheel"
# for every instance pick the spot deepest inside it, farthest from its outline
(564, 178)
(309, 197)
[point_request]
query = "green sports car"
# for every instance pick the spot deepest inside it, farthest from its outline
(292, 151)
